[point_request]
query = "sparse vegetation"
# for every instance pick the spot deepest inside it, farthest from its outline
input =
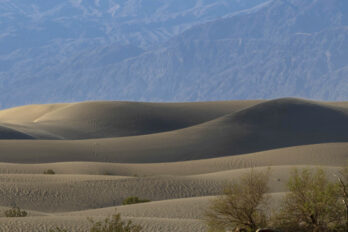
(242, 205)
(133, 200)
(312, 204)
(15, 212)
(343, 185)
(109, 224)
(114, 224)
(49, 172)
(58, 229)
(107, 173)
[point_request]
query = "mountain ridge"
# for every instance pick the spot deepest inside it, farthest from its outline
(279, 49)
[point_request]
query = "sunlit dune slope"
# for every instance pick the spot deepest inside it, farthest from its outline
(113, 119)
(326, 154)
(178, 155)
(264, 126)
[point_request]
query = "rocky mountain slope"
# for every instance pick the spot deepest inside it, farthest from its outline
(162, 52)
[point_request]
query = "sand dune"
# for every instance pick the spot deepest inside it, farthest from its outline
(28, 113)
(80, 223)
(265, 126)
(331, 154)
(60, 193)
(178, 155)
(56, 194)
(115, 119)
(9, 133)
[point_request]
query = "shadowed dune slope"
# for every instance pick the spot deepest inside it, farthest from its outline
(273, 124)
(178, 155)
(113, 119)
(9, 133)
(331, 154)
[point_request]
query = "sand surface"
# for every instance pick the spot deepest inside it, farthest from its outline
(178, 155)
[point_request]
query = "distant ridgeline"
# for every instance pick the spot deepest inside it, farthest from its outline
(213, 50)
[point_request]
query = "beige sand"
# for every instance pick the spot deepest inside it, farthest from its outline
(178, 155)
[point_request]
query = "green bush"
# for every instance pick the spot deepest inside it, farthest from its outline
(114, 224)
(313, 204)
(49, 172)
(243, 204)
(133, 200)
(343, 185)
(57, 229)
(109, 224)
(15, 212)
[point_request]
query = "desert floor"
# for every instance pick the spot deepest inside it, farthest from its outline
(178, 155)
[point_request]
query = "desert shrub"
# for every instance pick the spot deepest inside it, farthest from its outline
(58, 229)
(133, 200)
(109, 224)
(343, 185)
(15, 212)
(114, 224)
(242, 205)
(312, 204)
(107, 173)
(49, 172)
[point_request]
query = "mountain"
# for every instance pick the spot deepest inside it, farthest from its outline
(278, 49)
(222, 50)
(46, 40)
(143, 23)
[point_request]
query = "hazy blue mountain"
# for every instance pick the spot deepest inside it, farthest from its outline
(144, 23)
(44, 40)
(143, 52)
